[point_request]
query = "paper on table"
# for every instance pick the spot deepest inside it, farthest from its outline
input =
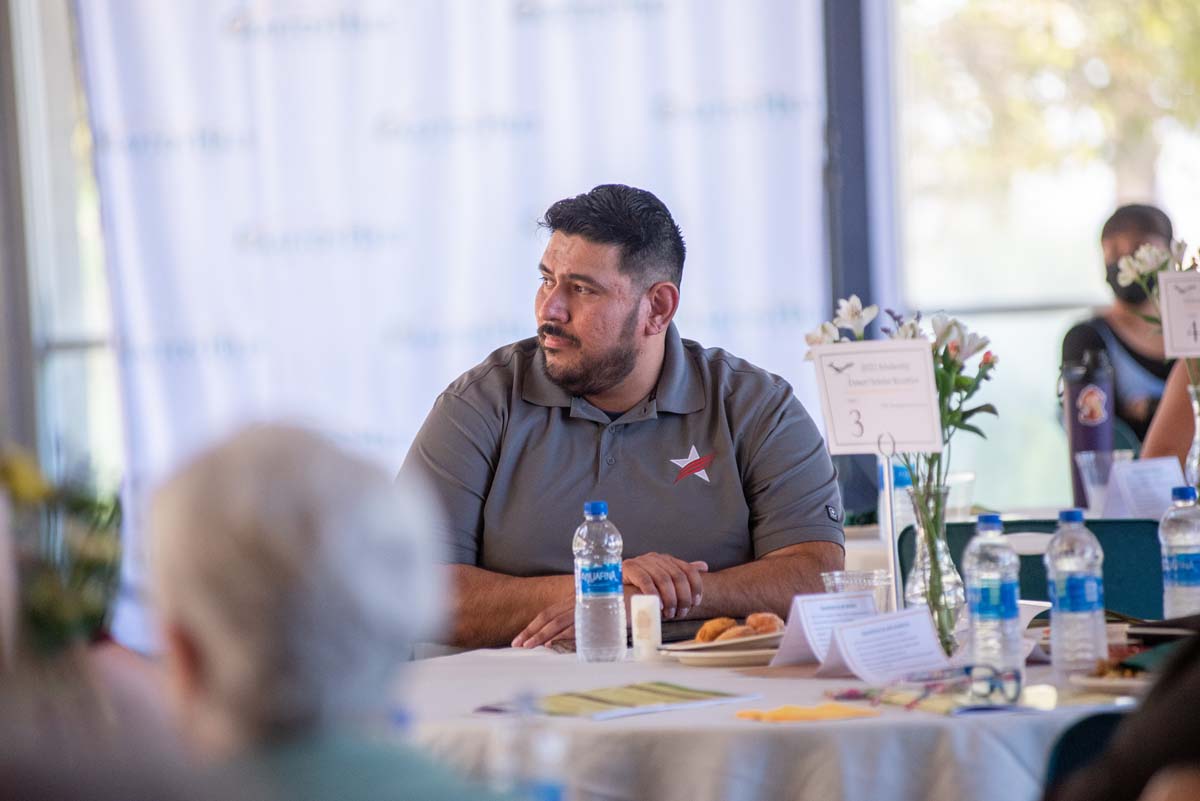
(1142, 489)
(885, 647)
(606, 703)
(811, 622)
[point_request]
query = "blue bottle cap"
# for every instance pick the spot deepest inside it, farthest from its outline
(989, 520)
(900, 476)
(595, 508)
(1183, 494)
(1070, 516)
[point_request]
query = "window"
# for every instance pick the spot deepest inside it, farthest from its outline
(1021, 126)
(78, 414)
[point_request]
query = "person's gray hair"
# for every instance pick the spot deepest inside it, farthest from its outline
(303, 573)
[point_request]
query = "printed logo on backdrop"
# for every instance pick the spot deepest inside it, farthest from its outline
(174, 351)
(246, 24)
(769, 105)
(354, 236)
(392, 126)
(583, 10)
(204, 141)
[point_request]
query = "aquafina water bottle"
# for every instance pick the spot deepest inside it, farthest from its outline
(1179, 534)
(599, 597)
(1074, 569)
(992, 567)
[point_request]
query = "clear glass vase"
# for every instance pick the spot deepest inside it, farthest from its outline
(1191, 466)
(934, 582)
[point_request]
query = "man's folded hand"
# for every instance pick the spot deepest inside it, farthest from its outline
(678, 584)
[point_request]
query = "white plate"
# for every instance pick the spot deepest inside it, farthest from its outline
(757, 656)
(1135, 685)
(740, 643)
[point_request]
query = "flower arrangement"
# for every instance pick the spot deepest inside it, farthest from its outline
(1142, 268)
(933, 581)
(68, 554)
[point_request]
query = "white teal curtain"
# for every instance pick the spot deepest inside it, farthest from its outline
(325, 211)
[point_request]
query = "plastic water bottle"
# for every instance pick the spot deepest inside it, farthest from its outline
(1179, 534)
(599, 597)
(527, 756)
(1074, 568)
(992, 567)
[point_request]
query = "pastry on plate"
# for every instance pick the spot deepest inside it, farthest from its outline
(714, 628)
(735, 633)
(765, 622)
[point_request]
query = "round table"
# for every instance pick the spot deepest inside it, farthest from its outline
(708, 753)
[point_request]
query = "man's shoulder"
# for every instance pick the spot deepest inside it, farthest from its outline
(726, 372)
(496, 375)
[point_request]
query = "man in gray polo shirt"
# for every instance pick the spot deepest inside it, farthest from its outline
(712, 470)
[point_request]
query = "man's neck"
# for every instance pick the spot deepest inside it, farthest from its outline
(638, 384)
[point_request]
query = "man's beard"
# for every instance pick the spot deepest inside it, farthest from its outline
(593, 376)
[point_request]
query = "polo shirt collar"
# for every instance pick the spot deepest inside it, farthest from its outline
(680, 388)
(539, 389)
(679, 391)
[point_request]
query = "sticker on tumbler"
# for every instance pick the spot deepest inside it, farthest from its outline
(1090, 406)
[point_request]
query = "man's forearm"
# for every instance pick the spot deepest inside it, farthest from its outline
(490, 609)
(768, 584)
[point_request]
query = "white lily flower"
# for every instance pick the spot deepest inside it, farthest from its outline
(1178, 248)
(946, 329)
(825, 334)
(972, 343)
(1149, 258)
(1127, 271)
(909, 329)
(851, 314)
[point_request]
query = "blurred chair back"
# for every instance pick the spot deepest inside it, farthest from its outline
(1080, 744)
(1132, 560)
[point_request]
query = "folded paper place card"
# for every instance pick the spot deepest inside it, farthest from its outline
(1142, 488)
(878, 393)
(884, 648)
(1179, 294)
(812, 620)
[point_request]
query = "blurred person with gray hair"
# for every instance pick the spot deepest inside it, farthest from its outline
(291, 579)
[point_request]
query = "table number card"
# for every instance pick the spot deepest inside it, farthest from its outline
(812, 620)
(1179, 301)
(877, 391)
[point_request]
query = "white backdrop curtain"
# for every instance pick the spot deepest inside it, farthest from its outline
(325, 211)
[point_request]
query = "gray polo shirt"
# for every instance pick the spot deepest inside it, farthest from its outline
(722, 464)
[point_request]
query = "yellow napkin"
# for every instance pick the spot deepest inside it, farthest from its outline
(826, 711)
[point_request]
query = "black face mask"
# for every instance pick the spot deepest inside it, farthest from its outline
(1133, 294)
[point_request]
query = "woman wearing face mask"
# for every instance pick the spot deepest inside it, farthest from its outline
(1134, 346)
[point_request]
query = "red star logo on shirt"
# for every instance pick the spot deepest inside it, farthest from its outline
(693, 465)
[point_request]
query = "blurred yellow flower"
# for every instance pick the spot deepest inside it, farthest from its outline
(19, 473)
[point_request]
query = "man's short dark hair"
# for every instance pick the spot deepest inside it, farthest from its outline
(651, 243)
(1138, 219)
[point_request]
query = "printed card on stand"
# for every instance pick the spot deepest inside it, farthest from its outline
(884, 648)
(1179, 296)
(878, 392)
(1142, 489)
(811, 622)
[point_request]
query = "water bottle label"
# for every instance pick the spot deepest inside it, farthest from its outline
(1077, 594)
(994, 600)
(1182, 569)
(600, 579)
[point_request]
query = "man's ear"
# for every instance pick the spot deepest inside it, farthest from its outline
(185, 665)
(664, 302)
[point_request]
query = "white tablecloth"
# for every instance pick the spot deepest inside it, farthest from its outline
(707, 753)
